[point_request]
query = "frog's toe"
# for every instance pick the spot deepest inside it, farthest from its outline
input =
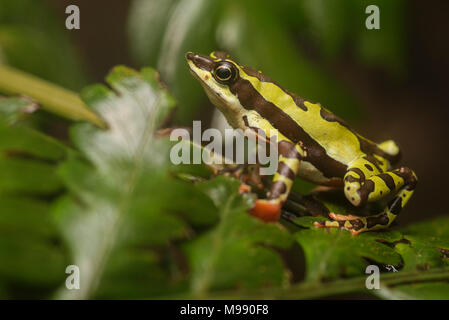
(320, 224)
(355, 232)
(267, 210)
(326, 224)
(342, 217)
(351, 223)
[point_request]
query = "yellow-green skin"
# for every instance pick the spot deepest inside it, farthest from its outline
(314, 144)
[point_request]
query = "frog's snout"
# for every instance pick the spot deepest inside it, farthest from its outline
(200, 61)
(190, 55)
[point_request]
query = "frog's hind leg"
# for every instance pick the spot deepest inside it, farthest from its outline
(288, 165)
(391, 150)
(360, 189)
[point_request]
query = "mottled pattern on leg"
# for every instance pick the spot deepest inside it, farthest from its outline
(402, 180)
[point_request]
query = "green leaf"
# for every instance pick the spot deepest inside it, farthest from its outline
(124, 193)
(24, 175)
(17, 137)
(426, 245)
(332, 289)
(26, 215)
(13, 109)
(26, 156)
(125, 201)
(333, 253)
(237, 251)
(130, 128)
(50, 96)
(32, 259)
(137, 273)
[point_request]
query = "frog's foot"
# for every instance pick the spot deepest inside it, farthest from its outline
(353, 224)
(342, 217)
(267, 210)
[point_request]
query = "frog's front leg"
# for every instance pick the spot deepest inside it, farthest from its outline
(288, 165)
(365, 182)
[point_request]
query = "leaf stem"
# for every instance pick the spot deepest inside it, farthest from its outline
(53, 98)
(326, 289)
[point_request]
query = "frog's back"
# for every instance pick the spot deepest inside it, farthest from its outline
(322, 133)
(340, 141)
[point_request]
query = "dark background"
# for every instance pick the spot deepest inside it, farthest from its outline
(412, 110)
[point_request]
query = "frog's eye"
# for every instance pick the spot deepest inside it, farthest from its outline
(225, 72)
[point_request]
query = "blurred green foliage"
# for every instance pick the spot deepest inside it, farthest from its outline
(33, 39)
(31, 254)
(428, 243)
(339, 254)
(269, 35)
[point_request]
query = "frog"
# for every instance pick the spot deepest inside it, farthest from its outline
(313, 144)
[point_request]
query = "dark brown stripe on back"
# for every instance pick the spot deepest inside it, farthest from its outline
(264, 78)
(366, 146)
(371, 148)
(329, 116)
(252, 100)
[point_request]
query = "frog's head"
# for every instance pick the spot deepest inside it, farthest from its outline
(218, 75)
